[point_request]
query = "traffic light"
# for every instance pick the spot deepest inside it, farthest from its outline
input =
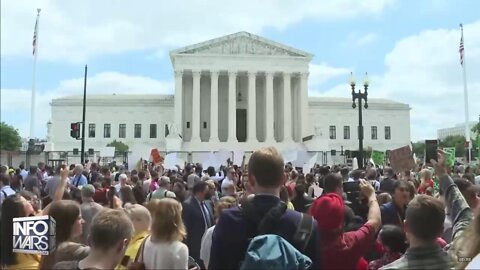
(75, 130)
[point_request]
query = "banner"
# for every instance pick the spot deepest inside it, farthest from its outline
(401, 159)
(155, 154)
(449, 155)
(378, 157)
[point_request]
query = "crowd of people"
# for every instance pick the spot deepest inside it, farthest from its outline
(264, 214)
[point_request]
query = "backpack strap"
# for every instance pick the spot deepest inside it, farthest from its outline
(265, 224)
(304, 232)
(139, 256)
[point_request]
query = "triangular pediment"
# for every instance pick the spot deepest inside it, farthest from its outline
(241, 43)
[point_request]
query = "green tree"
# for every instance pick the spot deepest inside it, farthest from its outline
(9, 138)
(457, 141)
(419, 148)
(476, 128)
(119, 146)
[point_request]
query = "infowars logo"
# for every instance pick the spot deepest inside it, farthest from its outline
(34, 235)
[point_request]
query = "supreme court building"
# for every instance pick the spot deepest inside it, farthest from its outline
(237, 92)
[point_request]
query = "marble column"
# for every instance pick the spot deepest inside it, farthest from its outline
(269, 128)
(304, 129)
(287, 108)
(214, 106)
(179, 101)
(232, 107)
(196, 107)
(252, 104)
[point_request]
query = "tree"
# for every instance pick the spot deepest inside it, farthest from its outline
(9, 138)
(419, 148)
(457, 141)
(119, 146)
(476, 128)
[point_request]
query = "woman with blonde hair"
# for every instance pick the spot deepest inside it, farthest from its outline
(164, 248)
(223, 203)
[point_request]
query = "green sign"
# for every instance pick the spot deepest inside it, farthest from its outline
(378, 157)
(450, 156)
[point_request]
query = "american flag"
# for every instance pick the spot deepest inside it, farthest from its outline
(461, 48)
(35, 34)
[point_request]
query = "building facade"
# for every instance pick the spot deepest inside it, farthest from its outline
(457, 130)
(238, 92)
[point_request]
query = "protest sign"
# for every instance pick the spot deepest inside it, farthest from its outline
(449, 155)
(289, 155)
(170, 161)
(155, 154)
(378, 157)
(401, 159)
(238, 157)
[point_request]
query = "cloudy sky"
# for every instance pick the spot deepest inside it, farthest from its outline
(409, 47)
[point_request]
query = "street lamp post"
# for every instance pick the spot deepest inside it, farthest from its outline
(360, 96)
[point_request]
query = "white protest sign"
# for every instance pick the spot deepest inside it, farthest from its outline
(170, 161)
(289, 155)
(238, 157)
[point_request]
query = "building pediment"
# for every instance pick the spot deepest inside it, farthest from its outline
(241, 43)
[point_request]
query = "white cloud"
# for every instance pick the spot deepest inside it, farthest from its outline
(424, 71)
(15, 103)
(73, 31)
(321, 73)
(367, 39)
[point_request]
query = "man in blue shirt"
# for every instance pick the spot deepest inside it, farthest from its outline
(232, 232)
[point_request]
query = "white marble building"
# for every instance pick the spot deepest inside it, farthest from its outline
(458, 129)
(237, 92)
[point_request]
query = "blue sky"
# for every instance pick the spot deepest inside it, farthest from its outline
(409, 47)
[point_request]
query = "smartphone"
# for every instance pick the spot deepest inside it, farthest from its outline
(431, 147)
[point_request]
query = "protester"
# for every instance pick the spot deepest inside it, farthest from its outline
(89, 208)
(69, 225)
(126, 195)
(12, 207)
(394, 242)
(386, 185)
(6, 190)
(206, 244)
(235, 228)
(301, 201)
(163, 190)
(197, 217)
(110, 234)
(394, 212)
(336, 246)
(425, 181)
(141, 219)
(424, 223)
(164, 249)
(229, 183)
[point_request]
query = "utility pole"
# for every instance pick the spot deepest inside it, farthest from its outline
(82, 159)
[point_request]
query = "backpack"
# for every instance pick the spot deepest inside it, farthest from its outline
(267, 250)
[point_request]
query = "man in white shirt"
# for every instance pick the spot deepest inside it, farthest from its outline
(163, 190)
(23, 172)
(6, 190)
(229, 182)
(122, 182)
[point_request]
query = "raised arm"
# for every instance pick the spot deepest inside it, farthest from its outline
(374, 215)
(459, 209)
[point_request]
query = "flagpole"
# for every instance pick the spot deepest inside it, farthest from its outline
(465, 95)
(35, 54)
